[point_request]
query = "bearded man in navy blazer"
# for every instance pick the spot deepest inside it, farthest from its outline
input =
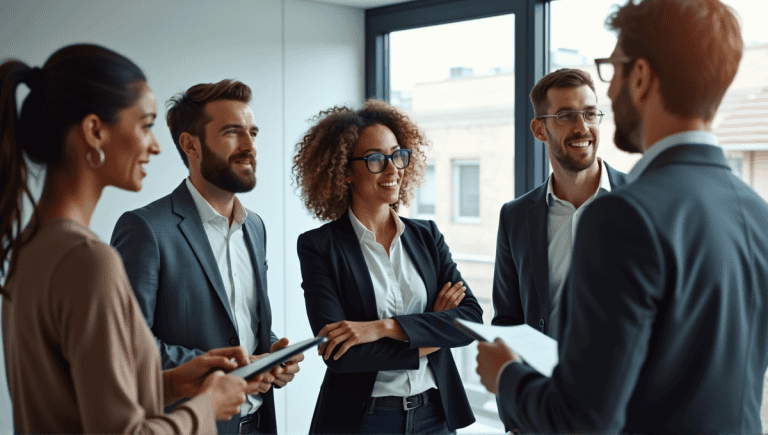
(196, 258)
(665, 309)
(535, 237)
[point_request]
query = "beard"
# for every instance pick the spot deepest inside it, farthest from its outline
(219, 172)
(568, 162)
(627, 120)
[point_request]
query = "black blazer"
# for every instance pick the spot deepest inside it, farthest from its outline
(179, 288)
(337, 286)
(666, 309)
(521, 272)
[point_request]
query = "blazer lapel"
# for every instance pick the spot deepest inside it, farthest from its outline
(192, 228)
(351, 250)
(421, 260)
(537, 242)
(254, 239)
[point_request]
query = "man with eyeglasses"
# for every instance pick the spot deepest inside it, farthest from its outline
(535, 236)
(665, 309)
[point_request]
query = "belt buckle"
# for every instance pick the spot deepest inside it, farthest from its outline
(406, 404)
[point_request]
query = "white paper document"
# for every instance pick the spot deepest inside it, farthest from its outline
(537, 349)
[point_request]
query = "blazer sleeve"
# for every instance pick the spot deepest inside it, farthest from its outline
(324, 306)
(506, 283)
(136, 243)
(612, 294)
(431, 329)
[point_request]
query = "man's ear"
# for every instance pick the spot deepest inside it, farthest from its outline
(641, 81)
(190, 145)
(538, 129)
(93, 131)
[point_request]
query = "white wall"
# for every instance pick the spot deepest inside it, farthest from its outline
(298, 57)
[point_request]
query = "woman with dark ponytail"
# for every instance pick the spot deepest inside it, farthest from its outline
(78, 354)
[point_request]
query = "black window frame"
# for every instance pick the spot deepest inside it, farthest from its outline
(531, 61)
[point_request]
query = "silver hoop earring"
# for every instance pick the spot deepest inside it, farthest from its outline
(89, 157)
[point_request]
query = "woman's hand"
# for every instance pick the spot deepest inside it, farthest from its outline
(449, 296)
(347, 334)
(227, 393)
(187, 379)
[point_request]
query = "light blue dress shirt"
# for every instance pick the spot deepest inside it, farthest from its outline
(686, 137)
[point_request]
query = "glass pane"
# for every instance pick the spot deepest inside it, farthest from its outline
(425, 197)
(579, 36)
(469, 191)
(456, 81)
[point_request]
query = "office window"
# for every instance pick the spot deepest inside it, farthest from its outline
(736, 162)
(426, 196)
(466, 191)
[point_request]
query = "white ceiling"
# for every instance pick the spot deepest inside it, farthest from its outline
(364, 4)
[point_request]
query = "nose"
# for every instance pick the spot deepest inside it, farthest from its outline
(390, 168)
(581, 124)
(154, 147)
(248, 144)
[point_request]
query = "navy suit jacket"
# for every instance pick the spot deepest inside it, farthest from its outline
(521, 272)
(337, 286)
(179, 288)
(666, 309)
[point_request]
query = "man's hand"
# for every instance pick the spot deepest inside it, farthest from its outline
(491, 359)
(449, 296)
(286, 371)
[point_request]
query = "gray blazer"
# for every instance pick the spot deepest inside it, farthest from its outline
(665, 326)
(521, 274)
(179, 288)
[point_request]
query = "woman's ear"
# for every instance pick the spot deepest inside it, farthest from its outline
(93, 131)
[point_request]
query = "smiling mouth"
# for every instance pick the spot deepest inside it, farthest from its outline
(390, 184)
(244, 161)
(580, 143)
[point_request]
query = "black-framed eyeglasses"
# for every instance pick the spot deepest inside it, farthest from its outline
(377, 162)
(569, 117)
(606, 67)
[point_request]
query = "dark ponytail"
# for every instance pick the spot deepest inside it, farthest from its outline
(75, 81)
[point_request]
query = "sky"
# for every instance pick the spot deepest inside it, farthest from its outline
(427, 54)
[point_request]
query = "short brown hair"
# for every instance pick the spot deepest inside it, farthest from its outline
(321, 167)
(562, 78)
(186, 110)
(694, 46)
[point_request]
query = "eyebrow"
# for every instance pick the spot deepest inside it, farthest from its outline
(562, 109)
(379, 150)
(238, 126)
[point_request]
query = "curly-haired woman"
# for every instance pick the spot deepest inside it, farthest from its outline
(372, 280)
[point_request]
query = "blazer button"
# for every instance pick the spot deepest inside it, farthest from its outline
(233, 341)
(541, 323)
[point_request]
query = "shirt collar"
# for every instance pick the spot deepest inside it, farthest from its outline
(207, 212)
(605, 182)
(692, 136)
(366, 235)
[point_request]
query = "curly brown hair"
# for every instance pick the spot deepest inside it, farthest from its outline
(320, 166)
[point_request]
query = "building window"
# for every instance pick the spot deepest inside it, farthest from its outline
(466, 191)
(736, 162)
(425, 196)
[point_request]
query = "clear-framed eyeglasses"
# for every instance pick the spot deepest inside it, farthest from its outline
(377, 162)
(606, 67)
(569, 117)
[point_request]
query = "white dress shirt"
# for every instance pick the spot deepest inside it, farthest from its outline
(399, 290)
(234, 262)
(561, 231)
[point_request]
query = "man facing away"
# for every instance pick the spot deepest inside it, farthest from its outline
(535, 237)
(196, 258)
(665, 309)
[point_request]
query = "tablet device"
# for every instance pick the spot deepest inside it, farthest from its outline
(275, 358)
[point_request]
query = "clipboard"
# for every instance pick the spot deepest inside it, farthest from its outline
(275, 358)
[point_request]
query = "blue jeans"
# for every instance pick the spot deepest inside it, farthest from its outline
(426, 419)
